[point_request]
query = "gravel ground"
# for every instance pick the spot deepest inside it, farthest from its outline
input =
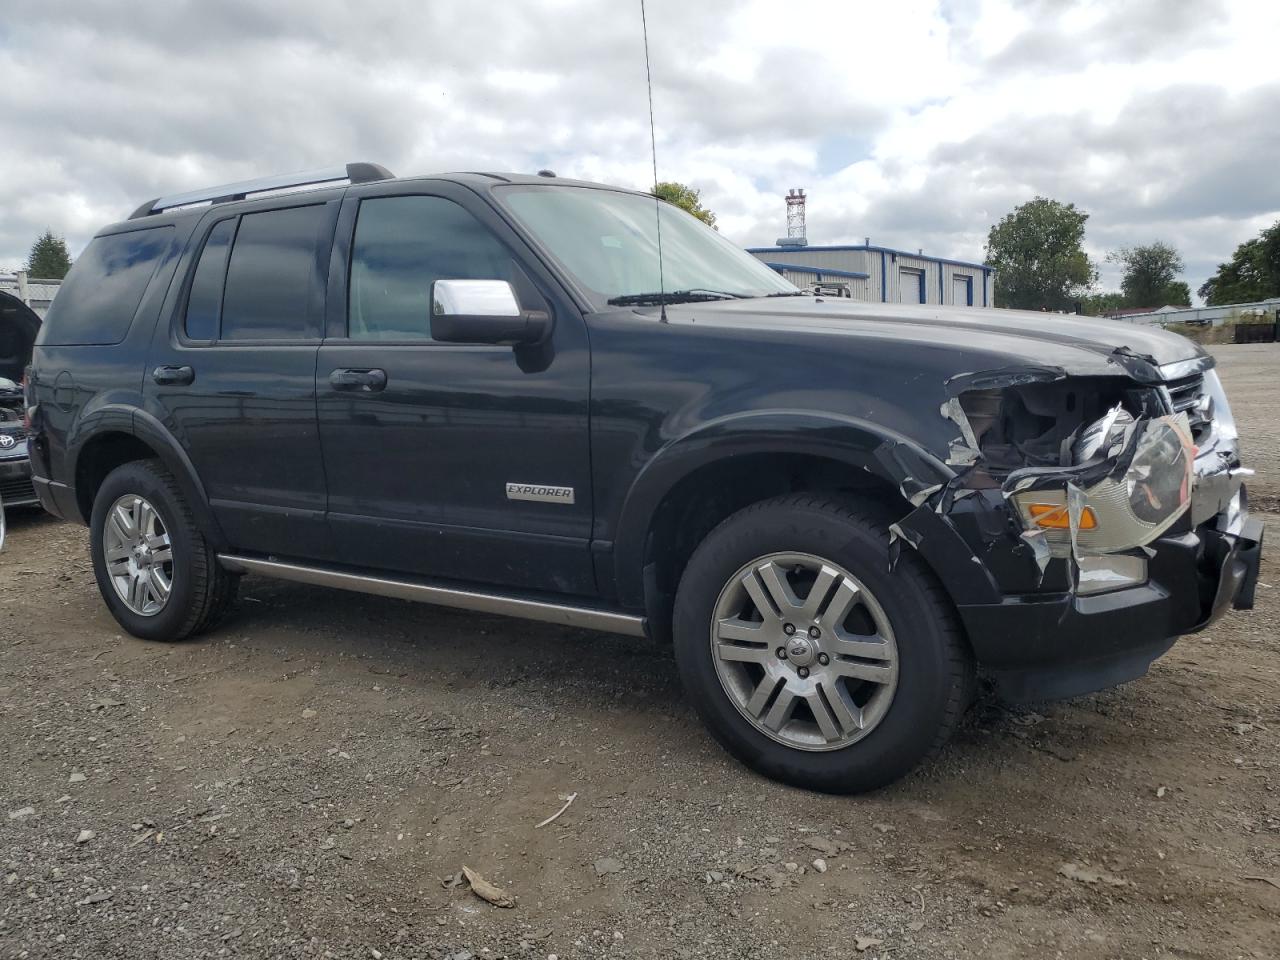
(1251, 374)
(310, 780)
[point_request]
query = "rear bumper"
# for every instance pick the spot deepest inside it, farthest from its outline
(15, 483)
(58, 499)
(1044, 647)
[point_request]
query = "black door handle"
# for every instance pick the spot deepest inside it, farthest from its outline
(367, 380)
(173, 376)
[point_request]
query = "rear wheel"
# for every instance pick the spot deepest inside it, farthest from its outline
(807, 657)
(156, 572)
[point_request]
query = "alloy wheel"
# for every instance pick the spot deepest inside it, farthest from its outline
(804, 651)
(138, 555)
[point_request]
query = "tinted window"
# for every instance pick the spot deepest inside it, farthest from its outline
(404, 244)
(204, 305)
(269, 278)
(97, 301)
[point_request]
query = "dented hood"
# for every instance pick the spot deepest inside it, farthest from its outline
(1079, 344)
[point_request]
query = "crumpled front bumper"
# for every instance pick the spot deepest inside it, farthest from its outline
(1044, 647)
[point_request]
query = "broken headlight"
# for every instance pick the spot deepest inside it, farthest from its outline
(1131, 482)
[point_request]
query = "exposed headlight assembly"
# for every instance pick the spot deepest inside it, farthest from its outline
(1131, 482)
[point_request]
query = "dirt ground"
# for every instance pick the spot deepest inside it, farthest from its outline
(309, 780)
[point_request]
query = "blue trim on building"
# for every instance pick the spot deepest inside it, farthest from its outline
(873, 249)
(819, 271)
(942, 291)
(884, 278)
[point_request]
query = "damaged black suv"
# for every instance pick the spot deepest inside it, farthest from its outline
(484, 391)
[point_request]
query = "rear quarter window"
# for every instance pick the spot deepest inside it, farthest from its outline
(97, 301)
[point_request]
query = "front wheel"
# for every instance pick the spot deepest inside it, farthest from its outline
(156, 572)
(807, 657)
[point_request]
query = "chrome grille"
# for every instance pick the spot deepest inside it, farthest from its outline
(1186, 395)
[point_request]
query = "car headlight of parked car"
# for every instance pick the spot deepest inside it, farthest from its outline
(1142, 497)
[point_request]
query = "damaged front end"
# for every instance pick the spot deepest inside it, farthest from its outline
(1126, 481)
(1109, 510)
(1095, 468)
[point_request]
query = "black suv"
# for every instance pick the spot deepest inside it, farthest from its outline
(484, 391)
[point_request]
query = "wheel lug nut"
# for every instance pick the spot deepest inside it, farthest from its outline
(804, 672)
(815, 632)
(788, 629)
(782, 653)
(823, 659)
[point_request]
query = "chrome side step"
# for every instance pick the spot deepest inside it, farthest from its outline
(590, 619)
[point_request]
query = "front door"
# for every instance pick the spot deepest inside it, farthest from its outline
(435, 452)
(233, 375)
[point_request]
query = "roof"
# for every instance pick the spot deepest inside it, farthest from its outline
(861, 247)
(819, 271)
(196, 203)
(1133, 311)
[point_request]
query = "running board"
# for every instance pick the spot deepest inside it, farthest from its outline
(586, 617)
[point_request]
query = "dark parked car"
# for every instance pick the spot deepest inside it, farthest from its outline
(482, 391)
(15, 465)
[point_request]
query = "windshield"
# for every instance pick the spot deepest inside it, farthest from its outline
(608, 241)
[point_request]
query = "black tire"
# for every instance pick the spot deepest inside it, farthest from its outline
(935, 668)
(201, 590)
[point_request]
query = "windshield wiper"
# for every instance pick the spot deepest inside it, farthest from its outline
(695, 295)
(791, 293)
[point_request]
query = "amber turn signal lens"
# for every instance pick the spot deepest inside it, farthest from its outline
(1054, 516)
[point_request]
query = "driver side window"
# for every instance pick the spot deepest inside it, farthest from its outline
(401, 246)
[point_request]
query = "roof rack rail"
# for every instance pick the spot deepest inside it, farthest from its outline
(351, 173)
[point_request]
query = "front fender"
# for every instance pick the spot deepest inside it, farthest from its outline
(893, 458)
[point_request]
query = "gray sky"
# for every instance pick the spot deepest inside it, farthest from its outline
(916, 123)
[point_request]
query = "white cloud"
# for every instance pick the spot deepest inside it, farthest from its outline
(918, 123)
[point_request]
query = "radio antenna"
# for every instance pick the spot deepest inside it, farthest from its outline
(653, 151)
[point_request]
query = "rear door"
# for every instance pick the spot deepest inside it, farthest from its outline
(419, 460)
(233, 374)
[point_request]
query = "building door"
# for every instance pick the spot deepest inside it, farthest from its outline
(962, 291)
(911, 285)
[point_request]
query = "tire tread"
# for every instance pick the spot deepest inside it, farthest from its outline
(213, 589)
(957, 662)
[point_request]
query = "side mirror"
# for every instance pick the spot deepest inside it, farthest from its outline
(483, 311)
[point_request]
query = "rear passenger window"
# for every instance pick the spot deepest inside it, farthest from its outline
(204, 305)
(402, 245)
(97, 301)
(271, 276)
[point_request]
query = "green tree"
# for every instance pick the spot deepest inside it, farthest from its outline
(1038, 254)
(49, 259)
(1096, 304)
(1150, 276)
(1253, 273)
(686, 198)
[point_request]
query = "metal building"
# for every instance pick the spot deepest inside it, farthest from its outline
(1202, 316)
(881, 274)
(23, 304)
(36, 294)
